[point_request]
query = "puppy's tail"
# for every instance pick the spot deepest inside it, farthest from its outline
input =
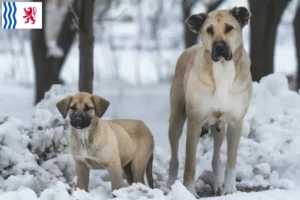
(149, 172)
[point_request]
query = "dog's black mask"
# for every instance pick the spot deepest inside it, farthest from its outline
(219, 50)
(80, 121)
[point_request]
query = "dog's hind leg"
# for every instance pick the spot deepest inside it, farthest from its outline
(218, 135)
(128, 173)
(176, 123)
(138, 167)
(233, 138)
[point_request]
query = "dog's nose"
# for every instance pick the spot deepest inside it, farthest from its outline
(219, 47)
(78, 121)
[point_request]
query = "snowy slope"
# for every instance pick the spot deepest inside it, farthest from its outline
(35, 161)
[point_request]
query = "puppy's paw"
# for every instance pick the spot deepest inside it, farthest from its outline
(191, 189)
(170, 182)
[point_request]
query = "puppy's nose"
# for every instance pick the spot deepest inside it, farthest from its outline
(219, 47)
(78, 121)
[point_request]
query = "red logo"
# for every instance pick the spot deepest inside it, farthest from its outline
(30, 14)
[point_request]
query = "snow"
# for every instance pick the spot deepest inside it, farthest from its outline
(35, 161)
(34, 158)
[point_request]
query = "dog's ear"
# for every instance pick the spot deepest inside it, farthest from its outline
(63, 106)
(195, 22)
(100, 104)
(241, 14)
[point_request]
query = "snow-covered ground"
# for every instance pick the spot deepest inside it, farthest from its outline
(35, 163)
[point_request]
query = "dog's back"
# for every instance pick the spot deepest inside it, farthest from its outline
(142, 137)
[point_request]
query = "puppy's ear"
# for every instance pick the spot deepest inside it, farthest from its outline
(100, 104)
(63, 106)
(241, 14)
(195, 22)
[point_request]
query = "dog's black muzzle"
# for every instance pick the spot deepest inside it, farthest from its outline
(80, 121)
(219, 50)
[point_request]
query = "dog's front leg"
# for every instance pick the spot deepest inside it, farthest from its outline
(193, 134)
(218, 136)
(116, 176)
(83, 173)
(233, 139)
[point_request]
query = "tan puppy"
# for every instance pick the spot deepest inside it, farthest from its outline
(212, 87)
(116, 145)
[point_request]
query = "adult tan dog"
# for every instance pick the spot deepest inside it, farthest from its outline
(212, 87)
(116, 145)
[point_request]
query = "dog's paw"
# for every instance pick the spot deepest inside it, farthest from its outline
(229, 189)
(229, 183)
(217, 188)
(192, 189)
(218, 182)
(170, 182)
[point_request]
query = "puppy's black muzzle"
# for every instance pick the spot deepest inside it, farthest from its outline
(80, 121)
(219, 50)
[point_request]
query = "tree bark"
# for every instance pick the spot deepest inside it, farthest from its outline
(86, 46)
(47, 68)
(39, 51)
(265, 18)
(296, 24)
(190, 38)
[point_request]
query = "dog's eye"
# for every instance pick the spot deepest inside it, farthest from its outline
(73, 108)
(228, 29)
(210, 30)
(87, 108)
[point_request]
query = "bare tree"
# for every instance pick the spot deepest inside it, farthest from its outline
(155, 22)
(139, 45)
(190, 38)
(265, 18)
(86, 46)
(48, 67)
(296, 24)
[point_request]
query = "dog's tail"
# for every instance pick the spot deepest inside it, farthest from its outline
(149, 172)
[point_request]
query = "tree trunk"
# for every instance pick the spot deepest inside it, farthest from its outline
(47, 68)
(39, 51)
(190, 38)
(297, 42)
(86, 46)
(265, 18)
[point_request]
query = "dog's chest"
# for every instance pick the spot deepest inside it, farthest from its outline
(84, 150)
(222, 104)
(83, 143)
(223, 75)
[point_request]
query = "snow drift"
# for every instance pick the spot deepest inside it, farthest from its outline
(34, 160)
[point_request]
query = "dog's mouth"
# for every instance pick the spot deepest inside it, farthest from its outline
(79, 122)
(221, 50)
(216, 58)
(79, 127)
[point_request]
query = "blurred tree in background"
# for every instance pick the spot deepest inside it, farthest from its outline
(47, 63)
(265, 17)
(86, 46)
(296, 24)
(151, 26)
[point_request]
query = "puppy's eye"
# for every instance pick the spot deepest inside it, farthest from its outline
(73, 108)
(87, 108)
(228, 29)
(210, 30)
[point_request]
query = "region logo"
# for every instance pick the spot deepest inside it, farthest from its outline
(22, 15)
